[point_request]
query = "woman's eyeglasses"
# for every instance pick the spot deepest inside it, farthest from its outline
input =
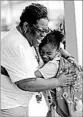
(40, 30)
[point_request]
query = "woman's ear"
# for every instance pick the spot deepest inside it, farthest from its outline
(25, 26)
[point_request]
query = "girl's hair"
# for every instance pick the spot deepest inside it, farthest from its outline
(54, 38)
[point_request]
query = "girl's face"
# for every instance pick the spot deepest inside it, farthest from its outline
(48, 52)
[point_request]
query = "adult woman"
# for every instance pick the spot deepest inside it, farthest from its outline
(19, 62)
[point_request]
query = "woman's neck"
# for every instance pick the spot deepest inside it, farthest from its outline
(26, 35)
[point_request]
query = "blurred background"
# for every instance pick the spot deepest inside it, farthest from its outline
(10, 13)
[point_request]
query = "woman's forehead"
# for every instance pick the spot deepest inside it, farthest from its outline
(42, 23)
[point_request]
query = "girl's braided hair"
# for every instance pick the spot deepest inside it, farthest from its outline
(54, 38)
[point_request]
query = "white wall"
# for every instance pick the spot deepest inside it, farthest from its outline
(78, 16)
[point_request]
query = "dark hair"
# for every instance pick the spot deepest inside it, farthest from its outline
(32, 13)
(54, 38)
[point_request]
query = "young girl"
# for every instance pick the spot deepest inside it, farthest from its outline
(55, 65)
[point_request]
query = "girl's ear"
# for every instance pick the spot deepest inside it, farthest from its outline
(25, 26)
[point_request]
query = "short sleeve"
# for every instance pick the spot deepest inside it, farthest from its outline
(20, 62)
(49, 70)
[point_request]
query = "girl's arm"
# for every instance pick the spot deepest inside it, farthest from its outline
(38, 74)
(49, 70)
(64, 53)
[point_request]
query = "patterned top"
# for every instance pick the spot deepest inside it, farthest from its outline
(74, 91)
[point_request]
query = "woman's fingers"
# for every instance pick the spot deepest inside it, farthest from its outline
(64, 81)
(69, 80)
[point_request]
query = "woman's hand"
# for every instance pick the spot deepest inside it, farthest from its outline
(65, 80)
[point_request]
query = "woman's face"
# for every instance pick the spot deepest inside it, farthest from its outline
(37, 32)
(48, 52)
(41, 28)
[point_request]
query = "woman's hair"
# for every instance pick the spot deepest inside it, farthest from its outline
(32, 13)
(54, 38)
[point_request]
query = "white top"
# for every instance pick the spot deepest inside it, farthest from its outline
(18, 57)
(50, 69)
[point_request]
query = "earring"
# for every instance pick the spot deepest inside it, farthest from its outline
(24, 30)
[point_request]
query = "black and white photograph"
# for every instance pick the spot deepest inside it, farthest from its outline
(41, 58)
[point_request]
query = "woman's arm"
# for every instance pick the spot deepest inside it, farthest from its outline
(39, 84)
